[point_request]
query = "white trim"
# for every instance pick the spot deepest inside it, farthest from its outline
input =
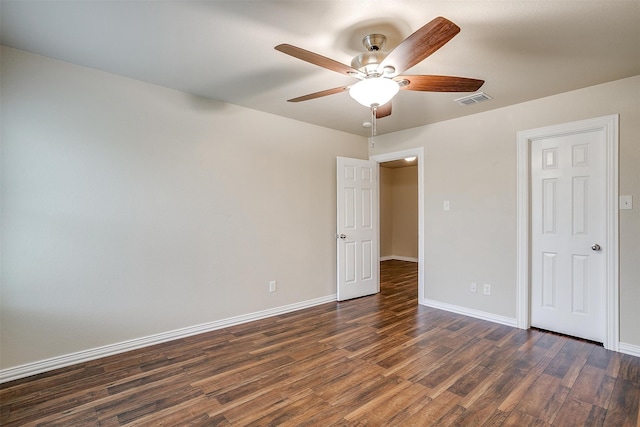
(609, 124)
(465, 311)
(419, 153)
(630, 349)
(522, 234)
(34, 368)
(399, 258)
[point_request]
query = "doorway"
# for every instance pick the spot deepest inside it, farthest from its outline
(418, 153)
(398, 183)
(555, 277)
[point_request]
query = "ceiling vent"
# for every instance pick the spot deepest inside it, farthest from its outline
(473, 99)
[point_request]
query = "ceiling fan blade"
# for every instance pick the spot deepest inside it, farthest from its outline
(319, 94)
(383, 110)
(425, 41)
(316, 59)
(439, 83)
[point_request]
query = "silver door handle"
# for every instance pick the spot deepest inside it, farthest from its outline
(595, 247)
(342, 236)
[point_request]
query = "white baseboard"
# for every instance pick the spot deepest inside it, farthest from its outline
(503, 320)
(39, 367)
(398, 257)
(630, 349)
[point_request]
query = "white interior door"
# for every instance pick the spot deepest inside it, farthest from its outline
(568, 234)
(357, 228)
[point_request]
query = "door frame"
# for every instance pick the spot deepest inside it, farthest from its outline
(418, 152)
(609, 126)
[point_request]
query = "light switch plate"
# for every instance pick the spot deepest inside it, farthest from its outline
(626, 202)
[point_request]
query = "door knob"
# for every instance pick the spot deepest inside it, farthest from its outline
(595, 247)
(342, 236)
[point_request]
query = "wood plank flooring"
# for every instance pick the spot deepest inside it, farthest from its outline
(378, 360)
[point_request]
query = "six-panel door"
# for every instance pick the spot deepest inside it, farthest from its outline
(357, 228)
(568, 292)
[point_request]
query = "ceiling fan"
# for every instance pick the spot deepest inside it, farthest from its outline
(379, 72)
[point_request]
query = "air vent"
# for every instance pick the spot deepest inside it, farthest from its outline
(473, 99)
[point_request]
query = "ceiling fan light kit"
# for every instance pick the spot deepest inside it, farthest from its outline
(374, 91)
(378, 71)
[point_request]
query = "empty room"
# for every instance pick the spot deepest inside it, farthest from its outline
(320, 213)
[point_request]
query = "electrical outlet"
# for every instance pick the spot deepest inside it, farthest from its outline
(273, 286)
(487, 289)
(474, 287)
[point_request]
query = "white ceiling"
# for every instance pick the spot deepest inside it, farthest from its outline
(224, 49)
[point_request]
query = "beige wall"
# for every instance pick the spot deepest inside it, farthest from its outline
(399, 212)
(471, 161)
(130, 209)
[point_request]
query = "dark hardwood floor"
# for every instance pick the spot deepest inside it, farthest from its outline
(378, 360)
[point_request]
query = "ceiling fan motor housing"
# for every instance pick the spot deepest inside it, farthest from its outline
(368, 62)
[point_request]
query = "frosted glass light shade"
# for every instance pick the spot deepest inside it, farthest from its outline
(374, 90)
